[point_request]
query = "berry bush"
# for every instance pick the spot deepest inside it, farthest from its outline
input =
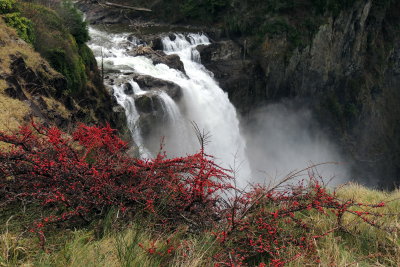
(78, 177)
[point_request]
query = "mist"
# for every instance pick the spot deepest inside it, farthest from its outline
(284, 138)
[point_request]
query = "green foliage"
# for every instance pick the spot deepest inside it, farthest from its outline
(73, 21)
(71, 66)
(7, 6)
(60, 38)
(87, 56)
(23, 26)
(13, 18)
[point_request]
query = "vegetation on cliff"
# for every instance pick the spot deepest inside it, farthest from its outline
(23, 73)
(60, 38)
(11, 15)
(56, 38)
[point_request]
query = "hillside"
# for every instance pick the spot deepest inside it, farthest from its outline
(18, 57)
(87, 202)
(50, 75)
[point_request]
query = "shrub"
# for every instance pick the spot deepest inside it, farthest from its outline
(23, 26)
(88, 58)
(7, 6)
(73, 21)
(80, 177)
(70, 65)
(14, 19)
(55, 43)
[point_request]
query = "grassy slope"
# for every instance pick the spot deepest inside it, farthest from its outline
(100, 245)
(14, 112)
(54, 46)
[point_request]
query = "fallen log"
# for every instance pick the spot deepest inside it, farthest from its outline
(128, 7)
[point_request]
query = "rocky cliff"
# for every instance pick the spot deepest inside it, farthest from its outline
(341, 58)
(349, 72)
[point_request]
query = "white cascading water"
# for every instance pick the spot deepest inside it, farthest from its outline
(132, 115)
(203, 101)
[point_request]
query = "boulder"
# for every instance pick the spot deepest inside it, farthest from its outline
(153, 40)
(158, 57)
(149, 103)
(224, 50)
(172, 61)
(151, 110)
(128, 89)
(148, 83)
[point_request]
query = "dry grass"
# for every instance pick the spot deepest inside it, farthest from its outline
(361, 246)
(3, 85)
(57, 106)
(13, 112)
(11, 44)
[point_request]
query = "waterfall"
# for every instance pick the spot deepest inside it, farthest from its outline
(202, 102)
(207, 104)
(132, 116)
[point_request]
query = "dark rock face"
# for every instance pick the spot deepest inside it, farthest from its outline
(337, 51)
(150, 83)
(147, 122)
(349, 74)
(128, 89)
(159, 57)
(242, 78)
(223, 50)
(152, 114)
(146, 83)
(148, 103)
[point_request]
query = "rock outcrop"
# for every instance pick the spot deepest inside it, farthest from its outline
(158, 57)
(148, 101)
(349, 75)
(148, 83)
